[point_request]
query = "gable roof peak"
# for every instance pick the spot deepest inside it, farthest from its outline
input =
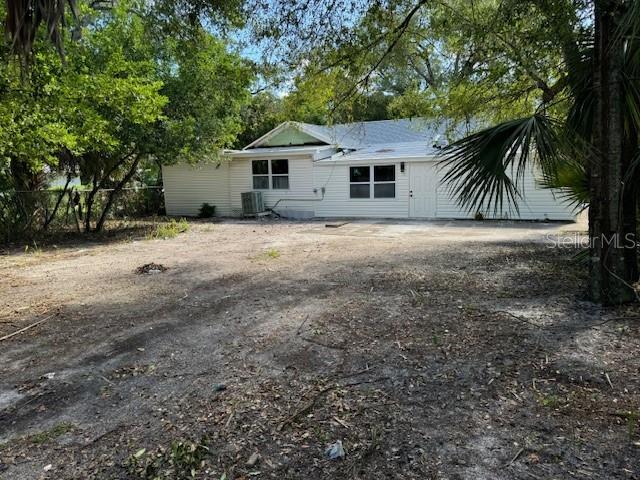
(353, 135)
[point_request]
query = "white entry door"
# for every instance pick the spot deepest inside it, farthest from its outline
(422, 190)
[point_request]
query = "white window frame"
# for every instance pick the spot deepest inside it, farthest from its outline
(254, 175)
(269, 174)
(383, 182)
(372, 181)
(272, 175)
(360, 183)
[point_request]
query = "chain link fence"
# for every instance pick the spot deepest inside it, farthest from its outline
(24, 214)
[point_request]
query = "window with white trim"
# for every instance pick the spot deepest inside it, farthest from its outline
(360, 182)
(379, 178)
(270, 174)
(280, 174)
(260, 171)
(384, 181)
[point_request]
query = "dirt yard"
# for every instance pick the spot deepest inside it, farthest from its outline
(430, 350)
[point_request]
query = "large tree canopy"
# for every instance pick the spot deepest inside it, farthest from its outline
(454, 59)
(127, 92)
(556, 82)
(25, 19)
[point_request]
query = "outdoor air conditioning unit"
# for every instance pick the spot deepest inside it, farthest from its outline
(252, 203)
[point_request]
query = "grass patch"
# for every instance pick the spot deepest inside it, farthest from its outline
(33, 249)
(269, 254)
(272, 253)
(550, 401)
(170, 229)
(48, 435)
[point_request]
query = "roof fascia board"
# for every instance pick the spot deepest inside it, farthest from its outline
(408, 158)
(301, 152)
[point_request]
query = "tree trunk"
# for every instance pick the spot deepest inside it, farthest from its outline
(24, 199)
(115, 192)
(50, 218)
(89, 206)
(99, 184)
(612, 216)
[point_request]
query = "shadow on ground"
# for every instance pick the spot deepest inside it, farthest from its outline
(475, 360)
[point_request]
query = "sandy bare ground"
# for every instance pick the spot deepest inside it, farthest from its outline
(431, 350)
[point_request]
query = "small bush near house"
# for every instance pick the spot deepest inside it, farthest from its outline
(478, 216)
(207, 211)
(169, 229)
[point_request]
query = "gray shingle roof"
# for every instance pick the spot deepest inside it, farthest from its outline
(396, 151)
(362, 134)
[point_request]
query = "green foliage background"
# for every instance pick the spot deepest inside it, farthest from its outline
(129, 95)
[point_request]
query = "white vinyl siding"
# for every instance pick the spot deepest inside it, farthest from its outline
(537, 203)
(337, 202)
(187, 187)
(300, 186)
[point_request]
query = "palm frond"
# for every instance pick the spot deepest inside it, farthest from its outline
(570, 182)
(580, 71)
(581, 258)
(485, 170)
(631, 99)
(629, 25)
(633, 171)
(631, 86)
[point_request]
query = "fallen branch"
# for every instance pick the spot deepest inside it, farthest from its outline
(6, 337)
(355, 374)
(302, 325)
(291, 418)
(100, 437)
(615, 319)
(515, 457)
(516, 317)
(325, 345)
(344, 424)
(228, 422)
(31, 400)
(304, 410)
(606, 375)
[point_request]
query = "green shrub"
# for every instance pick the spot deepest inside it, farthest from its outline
(206, 211)
(183, 459)
(169, 229)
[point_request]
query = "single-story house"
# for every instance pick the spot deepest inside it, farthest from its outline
(383, 169)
